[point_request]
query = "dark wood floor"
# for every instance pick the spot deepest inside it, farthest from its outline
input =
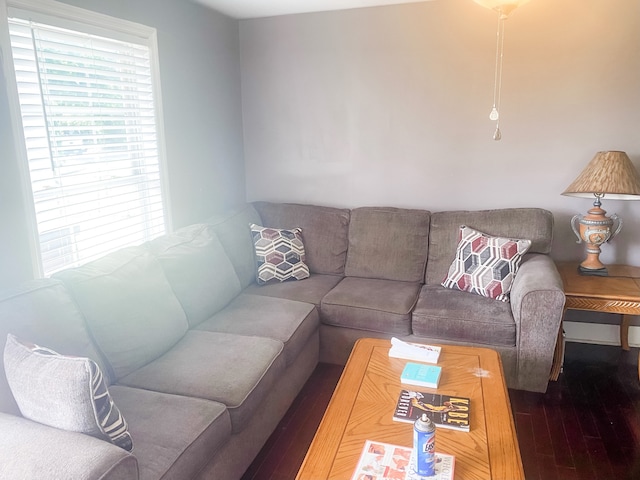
(587, 425)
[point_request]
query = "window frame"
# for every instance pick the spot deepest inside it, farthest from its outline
(75, 18)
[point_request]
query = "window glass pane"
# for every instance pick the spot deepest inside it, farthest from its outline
(88, 116)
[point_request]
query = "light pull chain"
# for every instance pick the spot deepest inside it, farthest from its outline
(497, 79)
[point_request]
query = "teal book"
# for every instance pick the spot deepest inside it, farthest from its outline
(421, 375)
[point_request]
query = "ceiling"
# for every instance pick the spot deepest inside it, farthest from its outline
(242, 9)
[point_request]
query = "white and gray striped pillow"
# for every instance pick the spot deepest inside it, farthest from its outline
(64, 392)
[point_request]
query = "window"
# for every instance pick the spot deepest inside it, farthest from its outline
(88, 105)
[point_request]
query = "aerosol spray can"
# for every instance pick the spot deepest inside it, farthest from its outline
(424, 444)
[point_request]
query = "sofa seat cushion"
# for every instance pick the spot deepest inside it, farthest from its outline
(452, 315)
(288, 321)
(129, 305)
(312, 290)
(175, 436)
(235, 370)
(196, 264)
(371, 304)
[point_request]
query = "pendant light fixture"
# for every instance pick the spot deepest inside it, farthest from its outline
(504, 8)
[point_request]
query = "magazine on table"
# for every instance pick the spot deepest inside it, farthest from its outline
(384, 461)
(447, 411)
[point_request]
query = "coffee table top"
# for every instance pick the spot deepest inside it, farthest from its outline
(362, 409)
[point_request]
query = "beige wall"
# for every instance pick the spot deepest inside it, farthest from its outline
(200, 79)
(389, 106)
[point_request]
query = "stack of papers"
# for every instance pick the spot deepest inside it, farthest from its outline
(414, 351)
(386, 461)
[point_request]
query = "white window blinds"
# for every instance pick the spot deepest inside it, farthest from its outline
(89, 123)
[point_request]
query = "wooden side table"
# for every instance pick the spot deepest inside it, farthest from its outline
(617, 293)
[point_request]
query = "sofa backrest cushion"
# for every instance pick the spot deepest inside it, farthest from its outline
(198, 269)
(388, 243)
(129, 305)
(533, 224)
(324, 232)
(43, 312)
(233, 232)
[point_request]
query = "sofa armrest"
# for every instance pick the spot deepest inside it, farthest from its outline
(32, 450)
(537, 303)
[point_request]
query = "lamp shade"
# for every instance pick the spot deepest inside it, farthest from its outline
(609, 174)
(504, 7)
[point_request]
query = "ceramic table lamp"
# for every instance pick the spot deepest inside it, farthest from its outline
(610, 175)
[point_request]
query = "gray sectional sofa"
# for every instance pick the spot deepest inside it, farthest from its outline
(203, 362)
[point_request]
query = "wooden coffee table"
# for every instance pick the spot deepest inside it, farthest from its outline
(362, 409)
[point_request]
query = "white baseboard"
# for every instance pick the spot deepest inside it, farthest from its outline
(599, 333)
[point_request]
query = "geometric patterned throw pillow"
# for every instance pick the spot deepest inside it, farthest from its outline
(64, 392)
(484, 264)
(279, 254)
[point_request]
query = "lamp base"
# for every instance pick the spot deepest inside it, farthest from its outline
(599, 272)
(594, 229)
